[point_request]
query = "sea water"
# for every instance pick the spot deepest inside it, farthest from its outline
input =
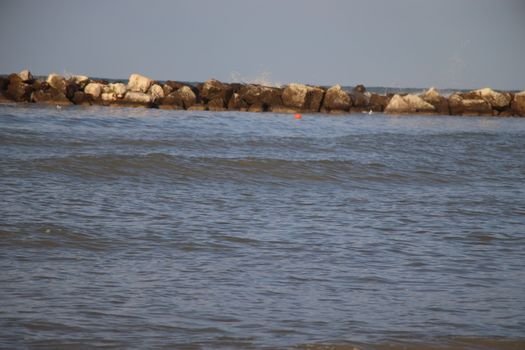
(142, 228)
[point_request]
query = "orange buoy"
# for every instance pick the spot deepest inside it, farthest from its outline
(298, 116)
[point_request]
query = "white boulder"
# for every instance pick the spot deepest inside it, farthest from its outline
(139, 83)
(94, 89)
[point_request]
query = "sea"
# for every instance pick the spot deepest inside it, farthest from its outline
(126, 228)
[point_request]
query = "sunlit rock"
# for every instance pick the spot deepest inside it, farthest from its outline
(26, 76)
(468, 104)
(518, 104)
(94, 90)
(157, 92)
(302, 97)
(139, 83)
(57, 82)
(499, 100)
(336, 99)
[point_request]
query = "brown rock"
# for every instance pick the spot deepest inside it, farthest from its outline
(236, 103)
(17, 90)
(302, 97)
(215, 90)
(173, 85)
(360, 89)
(336, 100)
(439, 102)
(282, 109)
(498, 100)
(257, 108)
(518, 104)
(261, 95)
(71, 88)
(50, 97)
(377, 102)
(216, 105)
(80, 98)
(57, 82)
(4, 99)
(197, 107)
(3, 83)
(184, 97)
(26, 76)
(463, 104)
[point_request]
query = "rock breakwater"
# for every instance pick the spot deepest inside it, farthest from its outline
(213, 95)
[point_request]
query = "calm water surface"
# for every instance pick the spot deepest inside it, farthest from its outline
(140, 228)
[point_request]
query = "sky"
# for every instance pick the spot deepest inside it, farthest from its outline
(403, 43)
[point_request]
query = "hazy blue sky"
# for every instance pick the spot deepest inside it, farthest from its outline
(406, 43)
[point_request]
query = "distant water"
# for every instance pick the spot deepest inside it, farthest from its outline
(141, 228)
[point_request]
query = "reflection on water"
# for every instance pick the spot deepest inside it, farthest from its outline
(134, 228)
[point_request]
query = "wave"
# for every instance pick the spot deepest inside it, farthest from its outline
(212, 168)
(442, 343)
(49, 236)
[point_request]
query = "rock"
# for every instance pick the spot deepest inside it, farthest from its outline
(184, 97)
(40, 85)
(157, 92)
(261, 95)
(294, 95)
(360, 89)
(71, 88)
(26, 76)
(439, 102)
(336, 99)
(57, 82)
(497, 100)
(167, 89)
(216, 105)
(282, 110)
(50, 97)
(139, 83)
(187, 95)
(4, 99)
(94, 90)
(408, 104)
(257, 108)
(80, 80)
(119, 89)
(197, 107)
(214, 90)
(418, 105)
(236, 103)
(137, 99)
(302, 97)
(459, 105)
(360, 99)
(397, 105)
(518, 104)
(173, 85)
(17, 90)
(3, 83)
(108, 97)
(378, 103)
(80, 98)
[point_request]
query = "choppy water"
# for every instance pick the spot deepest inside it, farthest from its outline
(140, 228)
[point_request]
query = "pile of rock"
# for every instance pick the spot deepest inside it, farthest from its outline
(213, 95)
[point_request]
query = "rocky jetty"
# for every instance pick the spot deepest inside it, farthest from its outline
(213, 95)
